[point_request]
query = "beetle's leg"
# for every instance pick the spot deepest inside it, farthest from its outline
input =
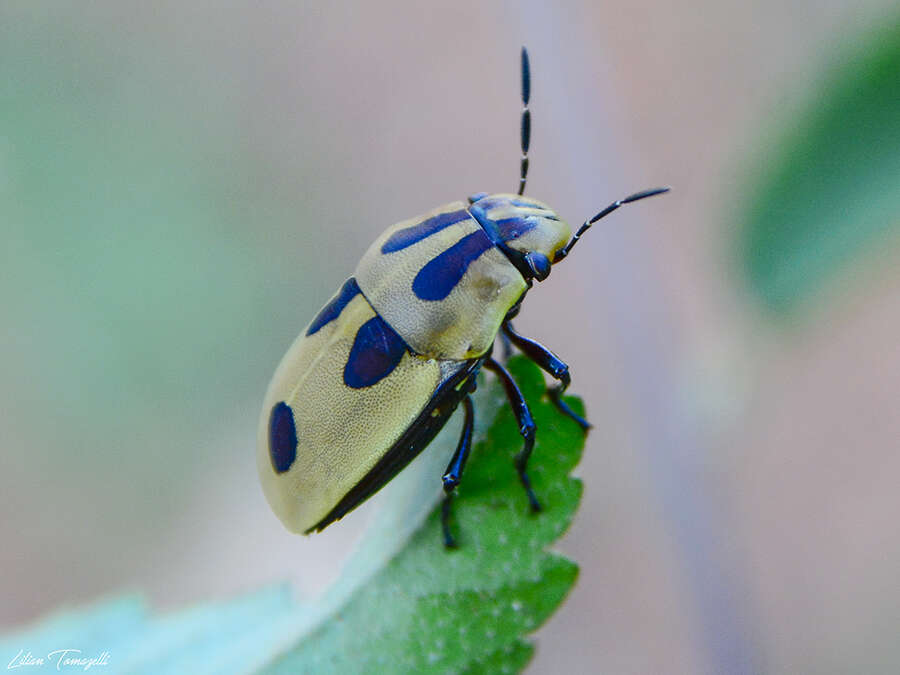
(550, 363)
(455, 469)
(504, 338)
(505, 347)
(526, 426)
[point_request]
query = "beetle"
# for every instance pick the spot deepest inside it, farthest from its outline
(381, 368)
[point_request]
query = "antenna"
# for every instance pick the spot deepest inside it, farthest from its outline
(526, 119)
(564, 251)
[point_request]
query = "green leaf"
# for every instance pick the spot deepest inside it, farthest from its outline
(511, 659)
(422, 609)
(831, 188)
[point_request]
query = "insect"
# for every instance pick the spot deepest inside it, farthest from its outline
(381, 368)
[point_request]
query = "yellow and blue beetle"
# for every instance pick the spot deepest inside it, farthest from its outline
(380, 369)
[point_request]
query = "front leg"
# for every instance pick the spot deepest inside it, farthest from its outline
(550, 363)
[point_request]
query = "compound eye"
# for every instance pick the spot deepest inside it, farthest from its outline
(539, 265)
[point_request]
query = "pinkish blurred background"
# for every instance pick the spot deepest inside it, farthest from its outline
(182, 186)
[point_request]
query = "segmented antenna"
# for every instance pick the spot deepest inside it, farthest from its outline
(563, 252)
(526, 119)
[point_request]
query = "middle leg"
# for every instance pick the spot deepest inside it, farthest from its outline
(551, 364)
(527, 426)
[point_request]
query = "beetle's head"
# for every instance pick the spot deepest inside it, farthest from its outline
(528, 231)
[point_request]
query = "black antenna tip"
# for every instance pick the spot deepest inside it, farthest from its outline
(644, 194)
(526, 77)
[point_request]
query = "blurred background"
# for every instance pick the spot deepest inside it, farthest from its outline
(182, 185)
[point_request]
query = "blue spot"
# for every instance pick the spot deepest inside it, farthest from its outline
(282, 437)
(376, 351)
(333, 309)
(441, 274)
(410, 235)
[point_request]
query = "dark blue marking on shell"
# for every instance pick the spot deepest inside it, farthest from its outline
(507, 229)
(493, 201)
(376, 351)
(282, 437)
(333, 309)
(513, 228)
(546, 213)
(415, 233)
(442, 273)
(479, 213)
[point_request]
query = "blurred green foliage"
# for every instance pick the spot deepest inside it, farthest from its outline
(831, 187)
(461, 611)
